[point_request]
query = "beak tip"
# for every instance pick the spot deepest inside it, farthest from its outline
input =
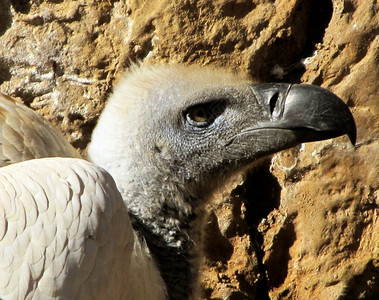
(338, 116)
(351, 127)
(353, 135)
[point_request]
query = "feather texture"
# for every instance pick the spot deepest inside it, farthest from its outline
(24, 134)
(62, 222)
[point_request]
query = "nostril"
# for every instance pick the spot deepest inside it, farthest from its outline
(273, 101)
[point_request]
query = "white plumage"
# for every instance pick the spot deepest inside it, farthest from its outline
(64, 229)
(166, 136)
(24, 134)
(62, 222)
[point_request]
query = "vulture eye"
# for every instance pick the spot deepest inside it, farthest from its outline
(199, 114)
(204, 114)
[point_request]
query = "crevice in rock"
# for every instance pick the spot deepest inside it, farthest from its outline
(363, 286)
(237, 9)
(319, 16)
(263, 288)
(279, 257)
(26, 96)
(287, 52)
(21, 6)
(262, 194)
(5, 17)
(5, 74)
(216, 246)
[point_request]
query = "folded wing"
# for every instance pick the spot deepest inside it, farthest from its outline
(24, 134)
(64, 232)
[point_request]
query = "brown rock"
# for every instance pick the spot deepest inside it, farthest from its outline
(312, 230)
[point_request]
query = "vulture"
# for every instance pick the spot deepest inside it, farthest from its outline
(126, 224)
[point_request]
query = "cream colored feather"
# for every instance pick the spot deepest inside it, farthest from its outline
(24, 134)
(64, 233)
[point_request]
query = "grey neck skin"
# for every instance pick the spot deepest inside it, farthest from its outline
(170, 221)
(174, 260)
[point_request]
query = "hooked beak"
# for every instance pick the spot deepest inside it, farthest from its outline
(310, 112)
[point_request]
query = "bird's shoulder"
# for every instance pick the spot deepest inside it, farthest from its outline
(62, 218)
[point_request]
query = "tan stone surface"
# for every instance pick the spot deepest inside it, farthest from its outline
(313, 231)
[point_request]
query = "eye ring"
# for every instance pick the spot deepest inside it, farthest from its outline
(203, 115)
(198, 114)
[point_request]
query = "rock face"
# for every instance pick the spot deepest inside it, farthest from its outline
(303, 226)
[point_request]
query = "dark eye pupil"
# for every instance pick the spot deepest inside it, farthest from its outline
(199, 114)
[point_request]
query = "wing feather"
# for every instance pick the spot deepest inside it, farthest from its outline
(64, 229)
(24, 134)
(64, 232)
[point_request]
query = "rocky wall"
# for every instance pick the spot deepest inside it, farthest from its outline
(303, 226)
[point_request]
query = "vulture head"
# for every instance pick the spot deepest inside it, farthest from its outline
(170, 134)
